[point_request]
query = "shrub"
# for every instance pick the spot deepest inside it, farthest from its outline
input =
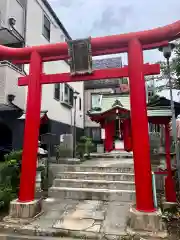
(84, 147)
(10, 178)
(17, 155)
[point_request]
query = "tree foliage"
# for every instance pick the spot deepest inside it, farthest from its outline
(84, 147)
(174, 67)
(10, 178)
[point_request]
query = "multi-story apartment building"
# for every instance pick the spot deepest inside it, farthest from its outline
(28, 23)
(93, 92)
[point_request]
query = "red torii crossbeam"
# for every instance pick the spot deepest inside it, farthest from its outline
(149, 69)
(101, 45)
(96, 53)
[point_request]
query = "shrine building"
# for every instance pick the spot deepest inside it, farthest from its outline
(114, 116)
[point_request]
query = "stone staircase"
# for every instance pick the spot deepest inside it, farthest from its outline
(107, 183)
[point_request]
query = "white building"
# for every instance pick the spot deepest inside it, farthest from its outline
(94, 91)
(35, 23)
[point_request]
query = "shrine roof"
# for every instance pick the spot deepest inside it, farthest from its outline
(159, 101)
(122, 102)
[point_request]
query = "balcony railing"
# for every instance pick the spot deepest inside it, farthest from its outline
(18, 68)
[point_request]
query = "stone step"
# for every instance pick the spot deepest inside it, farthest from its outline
(109, 176)
(125, 168)
(92, 194)
(83, 183)
(9, 236)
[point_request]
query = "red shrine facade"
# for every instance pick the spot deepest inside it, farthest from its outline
(133, 44)
(114, 116)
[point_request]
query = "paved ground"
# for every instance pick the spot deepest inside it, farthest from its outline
(87, 217)
(84, 219)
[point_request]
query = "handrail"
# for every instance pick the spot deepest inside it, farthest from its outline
(154, 190)
(154, 36)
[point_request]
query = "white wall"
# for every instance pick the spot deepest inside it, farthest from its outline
(88, 121)
(12, 87)
(3, 11)
(9, 84)
(56, 111)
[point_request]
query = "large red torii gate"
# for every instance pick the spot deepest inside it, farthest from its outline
(134, 44)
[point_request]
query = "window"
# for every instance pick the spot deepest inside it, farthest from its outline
(80, 105)
(96, 134)
(66, 94)
(57, 91)
(61, 92)
(95, 100)
(71, 96)
(46, 28)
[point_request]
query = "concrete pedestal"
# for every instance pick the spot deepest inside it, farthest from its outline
(146, 223)
(24, 210)
(169, 205)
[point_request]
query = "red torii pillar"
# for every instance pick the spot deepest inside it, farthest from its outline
(31, 133)
(139, 122)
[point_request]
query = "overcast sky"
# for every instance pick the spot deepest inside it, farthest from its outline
(83, 18)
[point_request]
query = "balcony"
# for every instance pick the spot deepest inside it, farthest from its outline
(12, 22)
(9, 75)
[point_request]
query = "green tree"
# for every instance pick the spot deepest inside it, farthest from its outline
(176, 65)
(84, 146)
(124, 81)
